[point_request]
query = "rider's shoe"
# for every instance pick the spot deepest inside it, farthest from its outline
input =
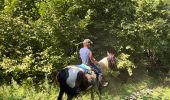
(104, 84)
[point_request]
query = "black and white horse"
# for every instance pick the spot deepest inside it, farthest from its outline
(72, 79)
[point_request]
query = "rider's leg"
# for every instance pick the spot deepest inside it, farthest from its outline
(99, 74)
(96, 69)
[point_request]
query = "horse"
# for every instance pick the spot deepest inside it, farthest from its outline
(72, 79)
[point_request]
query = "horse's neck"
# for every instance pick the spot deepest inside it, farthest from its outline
(104, 64)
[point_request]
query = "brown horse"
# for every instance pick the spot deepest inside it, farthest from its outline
(72, 79)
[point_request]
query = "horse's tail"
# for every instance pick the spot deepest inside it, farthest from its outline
(55, 77)
(59, 76)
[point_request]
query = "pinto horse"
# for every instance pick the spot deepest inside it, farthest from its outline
(72, 79)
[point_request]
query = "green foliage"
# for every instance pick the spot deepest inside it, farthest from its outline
(115, 90)
(159, 93)
(27, 92)
(124, 63)
(40, 36)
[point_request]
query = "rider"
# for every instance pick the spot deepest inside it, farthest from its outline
(87, 57)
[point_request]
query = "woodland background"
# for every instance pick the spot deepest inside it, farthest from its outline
(38, 37)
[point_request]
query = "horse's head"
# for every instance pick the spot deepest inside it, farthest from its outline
(108, 63)
(111, 60)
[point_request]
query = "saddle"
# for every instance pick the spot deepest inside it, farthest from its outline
(89, 73)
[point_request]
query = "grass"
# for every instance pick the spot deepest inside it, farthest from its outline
(161, 93)
(115, 91)
(27, 92)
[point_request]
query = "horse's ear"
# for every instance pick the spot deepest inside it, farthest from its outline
(108, 53)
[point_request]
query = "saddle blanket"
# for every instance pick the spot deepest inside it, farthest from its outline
(87, 69)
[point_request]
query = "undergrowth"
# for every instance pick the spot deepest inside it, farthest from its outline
(115, 91)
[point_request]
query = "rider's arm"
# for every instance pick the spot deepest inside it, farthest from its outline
(92, 59)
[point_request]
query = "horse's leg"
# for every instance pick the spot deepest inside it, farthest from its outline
(99, 94)
(69, 97)
(60, 94)
(92, 94)
(98, 90)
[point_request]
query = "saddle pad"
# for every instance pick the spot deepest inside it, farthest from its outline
(86, 68)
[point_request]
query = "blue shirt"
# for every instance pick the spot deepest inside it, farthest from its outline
(84, 55)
